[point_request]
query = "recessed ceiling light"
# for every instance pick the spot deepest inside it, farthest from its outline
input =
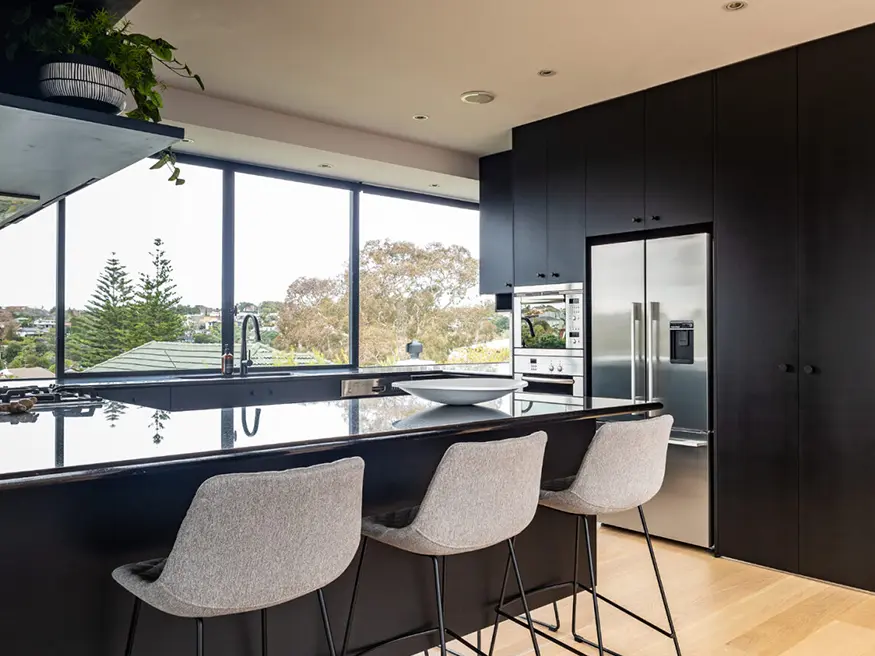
(187, 140)
(326, 166)
(546, 72)
(736, 5)
(477, 97)
(420, 117)
(434, 184)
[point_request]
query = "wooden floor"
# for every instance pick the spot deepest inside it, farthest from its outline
(720, 607)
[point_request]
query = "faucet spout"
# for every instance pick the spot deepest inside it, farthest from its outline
(245, 354)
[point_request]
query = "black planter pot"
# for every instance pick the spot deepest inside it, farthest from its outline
(82, 81)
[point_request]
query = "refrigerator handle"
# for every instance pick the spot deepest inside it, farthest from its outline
(635, 328)
(652, 355)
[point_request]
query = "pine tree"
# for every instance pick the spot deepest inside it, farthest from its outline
(102, 330)
(155, 310)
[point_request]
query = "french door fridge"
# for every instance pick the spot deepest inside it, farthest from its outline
(650, 340)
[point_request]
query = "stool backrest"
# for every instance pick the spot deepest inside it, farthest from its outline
(256, 540)
(625, 464)
(482, 493)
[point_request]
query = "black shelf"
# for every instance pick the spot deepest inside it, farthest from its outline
(49, 150)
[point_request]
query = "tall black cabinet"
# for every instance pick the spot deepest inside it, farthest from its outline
(496, 223)
(756, 313)
(837, 316)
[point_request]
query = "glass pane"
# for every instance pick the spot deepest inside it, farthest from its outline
(291, 270)
(419, 282)
(27, 297)
(144, 272)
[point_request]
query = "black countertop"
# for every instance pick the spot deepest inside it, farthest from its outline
(56, 445)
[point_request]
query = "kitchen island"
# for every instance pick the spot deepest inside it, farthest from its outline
(85, 489)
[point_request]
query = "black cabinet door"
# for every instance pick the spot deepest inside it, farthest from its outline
(837, 318)
(756, 310)
(496, 223)
(530, 204)
(566, 199)
(679, 152)
(614, 134)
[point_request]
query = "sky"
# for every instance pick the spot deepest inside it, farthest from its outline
(283, 230)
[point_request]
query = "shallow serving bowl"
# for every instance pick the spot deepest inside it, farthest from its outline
(461, 391)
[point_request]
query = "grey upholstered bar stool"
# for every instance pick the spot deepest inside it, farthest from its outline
(482, 494)
(622, 469)
(251, 541)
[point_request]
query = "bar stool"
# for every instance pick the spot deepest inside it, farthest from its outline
(623, 469)
(251, 541)
(482, 494)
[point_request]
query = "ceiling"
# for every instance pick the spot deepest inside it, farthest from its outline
(373, 64)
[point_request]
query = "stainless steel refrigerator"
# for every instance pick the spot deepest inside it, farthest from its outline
(650, 340)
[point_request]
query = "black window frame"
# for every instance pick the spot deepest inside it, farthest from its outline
(229, 170)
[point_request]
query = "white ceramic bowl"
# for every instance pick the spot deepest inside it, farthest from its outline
(461, 391)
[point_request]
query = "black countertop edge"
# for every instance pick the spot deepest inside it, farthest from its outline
(175, 379)
(90, 472)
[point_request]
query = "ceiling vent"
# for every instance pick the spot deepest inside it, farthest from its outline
(477, 97)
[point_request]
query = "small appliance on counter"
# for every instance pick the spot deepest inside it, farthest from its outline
(548, 342)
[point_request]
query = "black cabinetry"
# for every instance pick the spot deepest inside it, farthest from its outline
(614, 135)
(837, 319)
(679, 152)
(566, 199)
(756, 312)
(530, 204)
(496, 223)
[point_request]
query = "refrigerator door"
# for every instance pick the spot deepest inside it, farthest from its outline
(617, 320)
(677, 328)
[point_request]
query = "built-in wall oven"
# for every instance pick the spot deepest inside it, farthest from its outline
(548, 346)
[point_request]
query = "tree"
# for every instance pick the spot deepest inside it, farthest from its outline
(37, 351)
(8, 325)
(102, 331)
(407, 292)
(155, 315)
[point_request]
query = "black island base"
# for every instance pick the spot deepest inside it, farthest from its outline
(84, 492)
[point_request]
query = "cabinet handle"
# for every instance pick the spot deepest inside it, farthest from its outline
(637, 219)
(508, 284)
(654, 218)
(808, 369)
(554, 274)
(786, 368)
(542, 275)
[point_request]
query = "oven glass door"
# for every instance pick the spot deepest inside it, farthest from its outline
(543, 321)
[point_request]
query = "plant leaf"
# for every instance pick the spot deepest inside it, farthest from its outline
(199, 81)
(175, 175)
(179, 182)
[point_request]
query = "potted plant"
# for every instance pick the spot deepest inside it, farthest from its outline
(92, 60)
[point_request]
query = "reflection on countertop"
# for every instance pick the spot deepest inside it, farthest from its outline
(116, 434)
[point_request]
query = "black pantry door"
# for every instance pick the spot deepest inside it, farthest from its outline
(837, 302)
(756, 310)
(530, 204)
(496, 223)
(566, 199)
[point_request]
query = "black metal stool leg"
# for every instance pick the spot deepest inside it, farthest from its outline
(355, 591)
(519, 581)
(500, 605)
(200, 636)
(595, 598)
(132, 629)
(674, 635)
(575, 579)
(325, 623)
(440, 605)
(264, 632)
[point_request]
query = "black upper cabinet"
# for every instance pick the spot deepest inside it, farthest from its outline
(614, 136)
(530, 204)
(756, 310)
(679, 152)
(566, 199)
(496, 223)
(837, 320)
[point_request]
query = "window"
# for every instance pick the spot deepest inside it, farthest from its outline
(419, 281)
(291, 269)
(144, 271)
(27, 297)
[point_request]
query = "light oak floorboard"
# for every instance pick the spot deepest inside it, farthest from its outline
(720, 608)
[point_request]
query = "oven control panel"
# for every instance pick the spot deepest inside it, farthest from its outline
(574, 321)
(545, 365)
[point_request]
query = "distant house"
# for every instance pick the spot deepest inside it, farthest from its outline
(168, 356)
(26, 372)
(30, 331)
